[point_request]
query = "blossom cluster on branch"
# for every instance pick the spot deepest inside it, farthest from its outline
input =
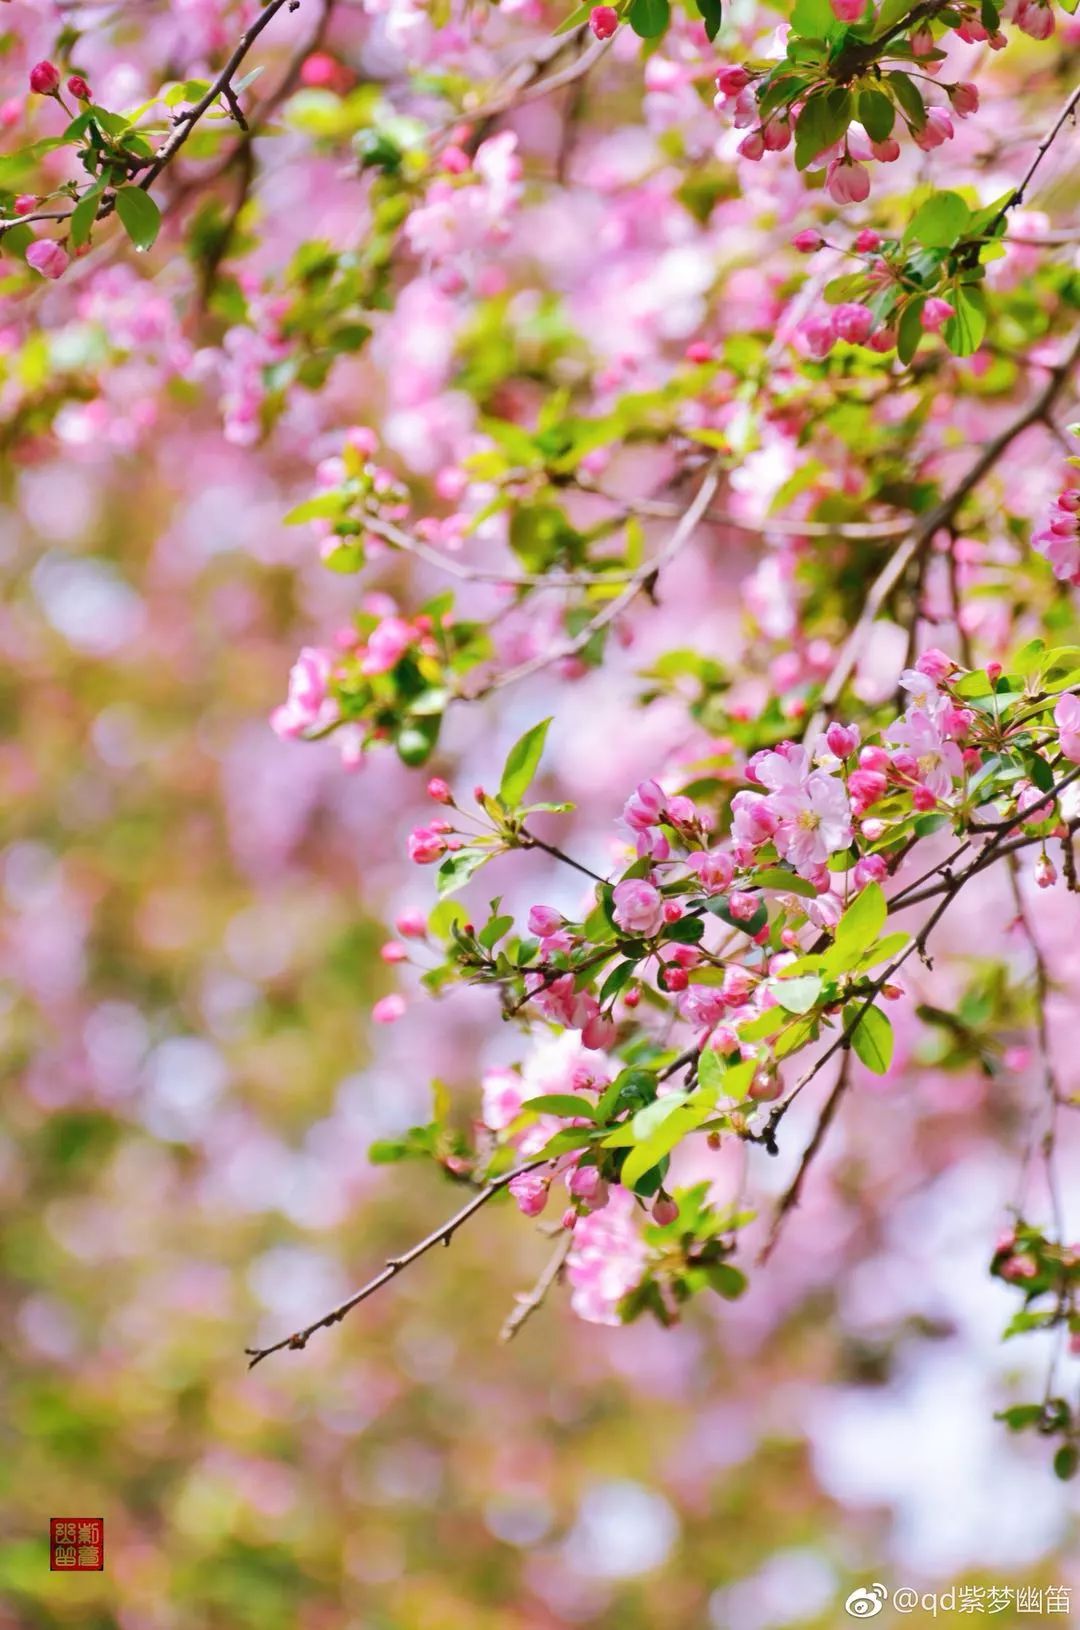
(543, 310)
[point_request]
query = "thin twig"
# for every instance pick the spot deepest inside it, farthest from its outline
(439, 1236)
(792, 1194)
(528, 1304)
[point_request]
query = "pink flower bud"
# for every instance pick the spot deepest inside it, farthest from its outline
(870, 869)
(530, 1190)
(604, 20)
(777, 135)
(964, 98)
(1045, 872)
(923, 800)
(742, 906)
(848, 11)
(544, 921)
(752, 146)
(25, 203)
(388, 1009)
(935, 314)
(664, 1210)
(79, 88)
(47, 257)
(439, 790)
(425, 846)
(842, 740)
(672, 911)
(887, 151)
(638, 907)
(808, 242)
(675, 978)
(44, 79)
(731, 80)
(852, 322)
(935, 664)
(867, 241)
(937, 130)
(993, 672)
(412, 925)
(847, 182)
(393, 951)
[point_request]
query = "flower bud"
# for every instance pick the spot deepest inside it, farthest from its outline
(45, 79)
(79, 88)
(664, 1210)
(439, 790)
(604, 20)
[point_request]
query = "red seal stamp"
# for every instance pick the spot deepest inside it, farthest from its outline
(76, 1544)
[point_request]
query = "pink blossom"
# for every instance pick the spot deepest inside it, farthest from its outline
(530, 1190)
(815, 821)
(607, 1259)
(502, 1094)
(842, 740)
(713, 867)
(1067, 719)
(937, 130)
(308, 706)
(848, 11)
(935, 664)
(544, 921)
(639, 907)
(867, 242)
(47, 257)
(938, 762)
(852, 322)
(808, 242)
(387, 644)
(645, 806)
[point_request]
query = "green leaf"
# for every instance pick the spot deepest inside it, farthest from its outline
(908, 97)
(415, 741)
(139, 216)
(872, 1038)
(84, 215)
(521, 765)
(797, 995)
(909, 331)
(1067, 1461)
(940, 222)
(560, 1103)
(823, 120)
(327, 505)
(712, 13)
(813, 19)
(963, 333)
(456, 870)
(876, 114)
(649, 18)
(784, 882)
(685, 1118)
(863, 920)
(729, 1282)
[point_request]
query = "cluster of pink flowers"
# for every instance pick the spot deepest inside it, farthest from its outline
(1058, 538)
(847, 180)
(855, 324)
(467, 209)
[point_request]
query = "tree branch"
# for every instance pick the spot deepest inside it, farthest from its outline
(397, 1264)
